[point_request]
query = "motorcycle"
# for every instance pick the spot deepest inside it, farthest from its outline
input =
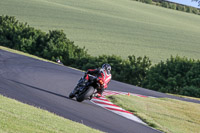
(86, 90)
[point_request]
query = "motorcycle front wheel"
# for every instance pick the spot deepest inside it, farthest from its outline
(71, 95)
(86, 94)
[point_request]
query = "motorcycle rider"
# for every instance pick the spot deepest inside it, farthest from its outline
(58, 61)
(103, 73)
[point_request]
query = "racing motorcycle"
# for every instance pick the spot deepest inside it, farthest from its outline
(86, 90)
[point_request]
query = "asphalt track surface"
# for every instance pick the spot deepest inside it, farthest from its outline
(47, 85)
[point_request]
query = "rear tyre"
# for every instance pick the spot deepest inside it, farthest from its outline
(85, 95)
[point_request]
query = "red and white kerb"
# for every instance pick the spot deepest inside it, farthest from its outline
(103, 102)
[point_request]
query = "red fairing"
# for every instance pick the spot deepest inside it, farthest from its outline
(104, 76)
(91, 69)
(87, 77)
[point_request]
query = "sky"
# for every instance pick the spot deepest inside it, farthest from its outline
(186, 2)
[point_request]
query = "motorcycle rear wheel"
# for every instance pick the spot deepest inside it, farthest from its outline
(86, 94)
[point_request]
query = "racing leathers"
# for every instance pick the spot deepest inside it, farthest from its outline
(100, 74)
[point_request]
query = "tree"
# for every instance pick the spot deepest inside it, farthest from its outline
(165, 4)
(134, 69)
(177, 72)
(197, 1)
(172, 6)
(148, 1)
(188, 9)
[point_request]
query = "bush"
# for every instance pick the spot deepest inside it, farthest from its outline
(172, 6)
(19, 36)
(188, 9)
(176, 73)
(195, 11)
(193, 76)
(165, 4)
(148, 1)
(134, 69)
(190, 91)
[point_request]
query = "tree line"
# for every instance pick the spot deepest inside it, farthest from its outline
(177, 75)
(174, 6)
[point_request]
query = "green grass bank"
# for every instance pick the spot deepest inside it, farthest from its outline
(167, 115)
(16, 117)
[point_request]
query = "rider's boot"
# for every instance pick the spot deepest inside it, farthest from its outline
(99, 93)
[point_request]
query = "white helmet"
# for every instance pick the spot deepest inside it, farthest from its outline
(106, 67)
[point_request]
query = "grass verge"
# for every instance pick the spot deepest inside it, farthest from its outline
(168, 115)
(16, 117)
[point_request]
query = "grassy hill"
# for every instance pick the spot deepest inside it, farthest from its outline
(121, 27)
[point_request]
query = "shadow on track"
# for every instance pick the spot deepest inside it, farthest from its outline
(36, 88)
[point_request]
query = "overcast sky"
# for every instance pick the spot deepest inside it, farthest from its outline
(186, 2)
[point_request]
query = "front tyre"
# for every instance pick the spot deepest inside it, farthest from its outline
(71, 95)
(86, 94)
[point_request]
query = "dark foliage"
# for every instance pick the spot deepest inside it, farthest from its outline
(176, 75)
(52, 45)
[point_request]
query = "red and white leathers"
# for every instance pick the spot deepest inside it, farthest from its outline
(101, 74)
(106, 78)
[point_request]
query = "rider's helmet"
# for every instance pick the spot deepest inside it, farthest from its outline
(106, 67)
